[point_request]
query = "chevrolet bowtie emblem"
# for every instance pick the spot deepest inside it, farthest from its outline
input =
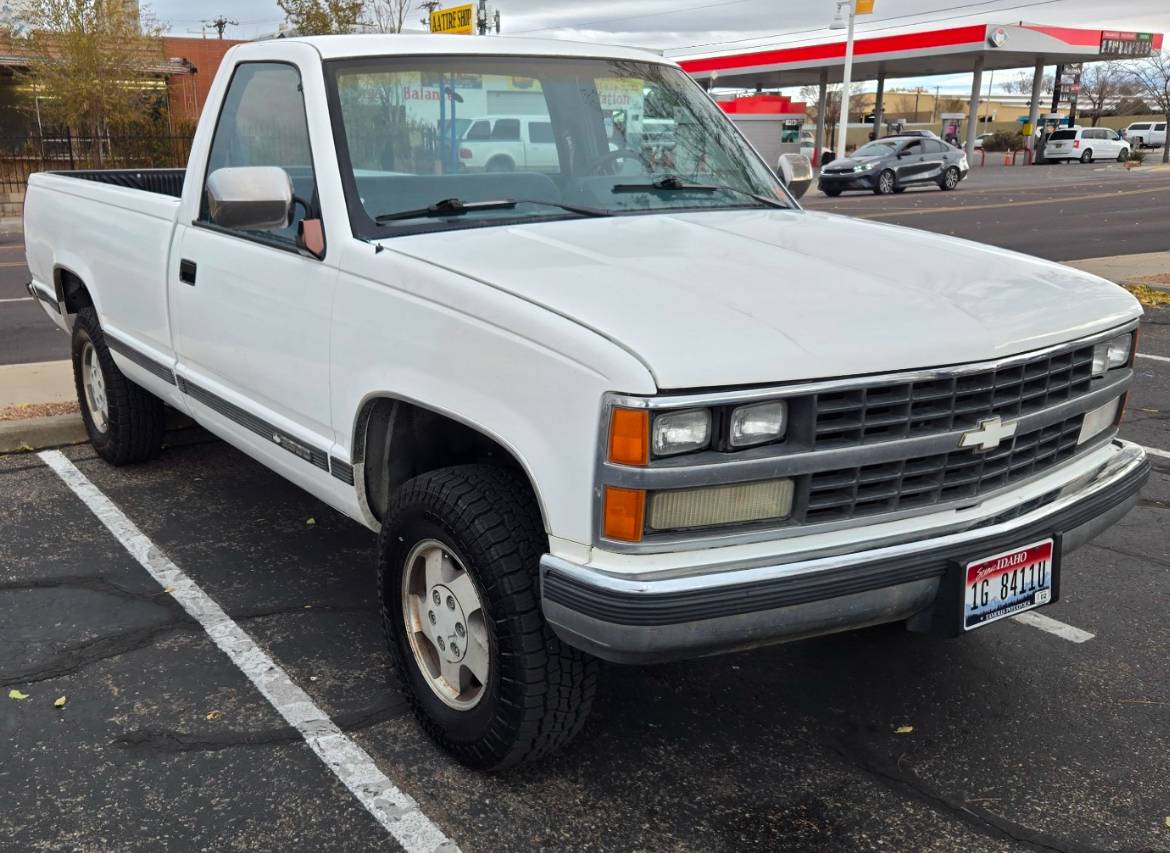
(989, 434)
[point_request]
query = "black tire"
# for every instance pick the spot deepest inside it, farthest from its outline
(1087, 156)
(887, 182)
(1122, 155)
(831, 192)
(135, 418)
(500, 163)
(950, 179)
(539, 690)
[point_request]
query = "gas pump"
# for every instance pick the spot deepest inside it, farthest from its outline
(950, 128)
(1046, 124)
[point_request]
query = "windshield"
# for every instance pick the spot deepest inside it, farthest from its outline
(555, 135)
(875, 149)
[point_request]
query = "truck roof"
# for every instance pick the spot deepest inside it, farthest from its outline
(349, 46)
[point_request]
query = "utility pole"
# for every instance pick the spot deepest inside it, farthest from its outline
(486, 18)
(430, 6)
(219, 24)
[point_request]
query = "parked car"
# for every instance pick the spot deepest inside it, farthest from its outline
(1086, 144)
(978, 144)
(508, 143)
(891, 164)
(1146, 134)
(636, 417)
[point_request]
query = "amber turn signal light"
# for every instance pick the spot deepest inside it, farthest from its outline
(625, 510)
(629, 436)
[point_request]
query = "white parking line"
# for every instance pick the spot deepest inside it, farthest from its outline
(18, 299)
(1053, 626)
(1156, 452)
(391, 807)
(1153, 357)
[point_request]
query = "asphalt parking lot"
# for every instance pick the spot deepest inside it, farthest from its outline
(1013, 738)
(1021, 739)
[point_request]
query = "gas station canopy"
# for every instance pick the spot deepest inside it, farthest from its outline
(921, 54)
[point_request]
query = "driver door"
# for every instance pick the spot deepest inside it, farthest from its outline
(251, 314)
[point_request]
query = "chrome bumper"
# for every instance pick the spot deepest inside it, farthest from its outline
(633, 621)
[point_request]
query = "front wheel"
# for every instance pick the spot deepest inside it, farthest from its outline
(950, 179)
(831, 192)
(124, 422)
(486, 677)
(1087, 157)
(886, 183)
(1122, 156)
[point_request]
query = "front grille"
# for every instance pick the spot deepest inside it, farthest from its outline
(885, 412)
(926, 480)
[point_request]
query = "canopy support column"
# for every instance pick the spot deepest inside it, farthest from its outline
(822, 104)
(1034, 110)
(877, 105)
(973, 109)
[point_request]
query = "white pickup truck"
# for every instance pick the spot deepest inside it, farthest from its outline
(627, 410)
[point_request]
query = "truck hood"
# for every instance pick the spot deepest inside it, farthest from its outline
(721, 298)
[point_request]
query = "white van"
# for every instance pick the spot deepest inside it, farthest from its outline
(1142, 134)
(1086, 144)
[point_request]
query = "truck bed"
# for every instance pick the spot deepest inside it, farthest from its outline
(160, 181)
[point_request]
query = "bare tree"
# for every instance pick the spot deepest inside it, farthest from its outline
(810, 95)
(388, 16)
(1101, 83)
(1021, 84)
(322, 17)
(1151, 77)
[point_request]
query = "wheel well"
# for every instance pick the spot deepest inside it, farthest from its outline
(397, 440)
(73, 291)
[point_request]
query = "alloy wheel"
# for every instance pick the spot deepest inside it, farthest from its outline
(94, 384)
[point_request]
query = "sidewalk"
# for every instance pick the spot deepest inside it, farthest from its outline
(1151, 269)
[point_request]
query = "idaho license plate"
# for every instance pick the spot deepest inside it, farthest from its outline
(1008, 583)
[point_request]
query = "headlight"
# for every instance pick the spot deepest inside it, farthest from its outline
(1110, 354)
(865, 167)
(758, 423)
(681, 432)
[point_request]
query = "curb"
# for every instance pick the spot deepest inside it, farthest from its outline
(30, 434)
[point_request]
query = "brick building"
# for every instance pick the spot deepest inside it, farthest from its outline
(201, 57)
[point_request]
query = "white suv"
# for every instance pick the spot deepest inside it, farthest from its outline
(1086, 144)
(1146, 133)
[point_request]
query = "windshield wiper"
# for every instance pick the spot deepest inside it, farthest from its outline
(459, 207)
(674, 182)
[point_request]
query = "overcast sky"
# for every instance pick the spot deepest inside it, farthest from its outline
(684, 27)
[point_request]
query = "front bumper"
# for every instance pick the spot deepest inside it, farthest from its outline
(634, 621)
(848, 180)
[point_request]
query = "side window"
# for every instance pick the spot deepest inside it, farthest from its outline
(507, 129)
(480, 130)
(262, 123)
(912, 148)
(1161, 127)
(540, 131)
(933, 146)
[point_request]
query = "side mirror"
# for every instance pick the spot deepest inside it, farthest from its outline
(796, 172)
(253, 197)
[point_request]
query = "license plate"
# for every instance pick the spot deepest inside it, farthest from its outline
(1007, 583)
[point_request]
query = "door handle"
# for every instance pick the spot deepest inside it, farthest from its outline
(187, 272)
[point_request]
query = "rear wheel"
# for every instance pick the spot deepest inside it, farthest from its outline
(950, 178)
(124, 422)
(1087, 156)
(486, 677)
(500, 164)
(1122, 155)
(887, 183)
